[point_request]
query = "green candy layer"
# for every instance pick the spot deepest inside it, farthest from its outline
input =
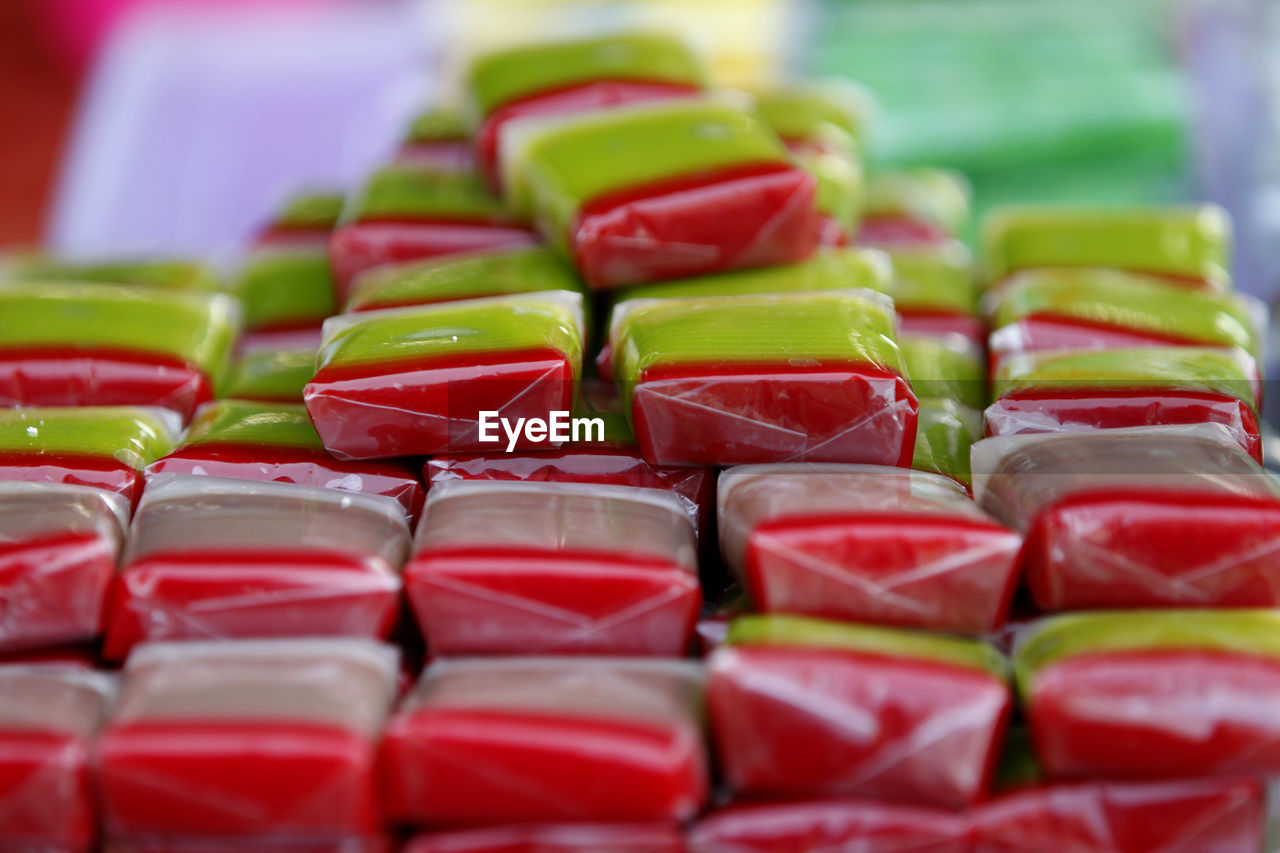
(936, 196)
(160, 273)
(408, 192)
(135, 436)
(945, 430)
(934, 279)
(271, 374)
(318, 210)
(438, 124)
(809, 111)
(246, 422)
(285, 285)
(946, 368)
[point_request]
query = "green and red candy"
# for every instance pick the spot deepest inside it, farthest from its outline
(913, 208)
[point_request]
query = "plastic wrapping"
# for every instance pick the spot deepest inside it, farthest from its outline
(654, 192)
(162, 273)
(247, 739)
(407, 381)
(211, 558)
(437, 139)
(1156, 694)
(465, 276)
(58, 550)
(945, 432)
(1051, 391)
(548, 739)
(48, 716)
(376, 844)
(553, 838)
(103, 447)
(572, 76)
(809, 110)
(813, 377)
(935, 290)
(284, 281)
(537, 568)
(804, 708)
(1145, 517)
(101, 345)
(407, 213)
(914, 207)
(1190, 244)
(276, 442)
(948, 366)
(271, 375)
(866, 543)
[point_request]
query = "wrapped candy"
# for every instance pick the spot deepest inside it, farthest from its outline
(914, 207)
(866, 543)
(276, 442)
(162, 273)
(935, 291)
(247, 739)
(949, 367)
(1056, 309)
(1155, 694)
(805, 708)
(1181, 816)
(407, 381)
(554, 838)
(530, 568)
(49, 714)
(1052, 391)
(548, 740)
(832, 824)
(58, 550)
(407, 213)
(573, 76)
(654, 192)
(271, 375)
(106, 447)
(101, 345)
(724, 380)
(463, 276)
(944, 433)
(437, 139)
(1188, 245)
(376, 844)
(211, 558)
(1143, 517)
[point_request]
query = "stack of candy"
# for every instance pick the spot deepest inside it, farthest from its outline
(628, 505)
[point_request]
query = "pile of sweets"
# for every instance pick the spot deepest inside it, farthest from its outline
(295, 563)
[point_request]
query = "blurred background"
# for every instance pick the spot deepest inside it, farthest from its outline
(176, 125)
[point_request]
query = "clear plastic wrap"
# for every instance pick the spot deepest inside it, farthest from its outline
(914, 207)
(537, 568)
(945, 431)
(211, 558)
(553, 838)
(413, 381)
(1189, 244)
(271, 375)
(948, 366)
(437, 139)
(654, 192)
(572, 76)
(721, 380)
(407, 213)
(99, 446)
(106, 345)
(464, 276)
(161, 273)
(866, 543)
(58, 550)
(1054, 391)
(275, 442)
(548, 739)
(1144, 517)
(805, 708)
(247, 739)
(1155, 694)
(376, 844)
(49, 714)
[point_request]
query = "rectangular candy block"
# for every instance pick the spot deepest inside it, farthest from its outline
(548, 740)
(106, 447)
(161, 273)
(247, 739)
(407, 213)
(831, 824)
(1189, 245)
(914, 208)
(945, 432)
(413, 381)
(1156, 694)
(948, 366)
(462, 276)
(812, 377)
(654, 192)
(572, 76)
(866, 543)
(376, 844)
(58, 550)
(1061, 391)
(806, 708)
(271, 375)
(553, 838)
(437, 139)
(105, 345)
(211, 558)
(49, 714)
(1182, 816)
(539, 568)
(1143, 517)
(935, 290)
(275, 442)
